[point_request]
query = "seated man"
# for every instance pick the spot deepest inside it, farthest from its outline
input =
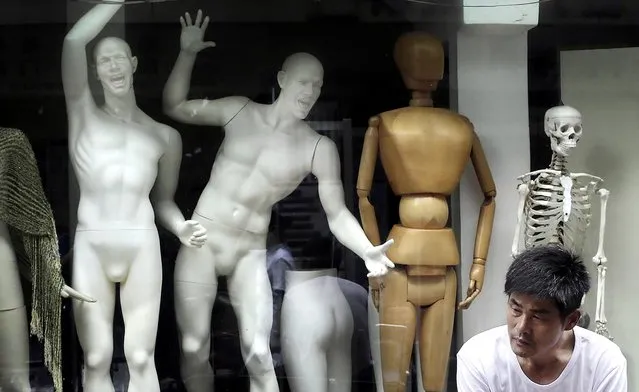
(541, 348)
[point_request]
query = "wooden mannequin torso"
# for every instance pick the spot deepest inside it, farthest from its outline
(424, 152)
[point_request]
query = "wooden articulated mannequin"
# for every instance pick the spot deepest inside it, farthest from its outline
(424, 151)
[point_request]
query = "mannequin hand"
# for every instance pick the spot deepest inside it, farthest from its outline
(474, 287)
(68, 292)
(192, 234)
(376, 261)
(191, 39)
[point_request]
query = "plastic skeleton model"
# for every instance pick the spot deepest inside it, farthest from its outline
(555, 205)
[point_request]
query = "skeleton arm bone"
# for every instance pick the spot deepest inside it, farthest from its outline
(75, 76)
(484, 223)
(601, 260)
(523, 190)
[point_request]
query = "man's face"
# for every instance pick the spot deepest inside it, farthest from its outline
(535, 326)
(115, 66)
(302, 86)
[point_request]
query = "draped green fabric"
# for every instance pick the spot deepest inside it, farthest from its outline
(25, 210)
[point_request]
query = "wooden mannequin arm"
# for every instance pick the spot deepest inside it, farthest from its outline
(487, 210)
(365, 181)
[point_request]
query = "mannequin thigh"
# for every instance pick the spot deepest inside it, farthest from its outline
(14, 351)
(14, 331)
(317, 328)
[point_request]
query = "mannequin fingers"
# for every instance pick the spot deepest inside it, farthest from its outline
(63, 293)
(182, 21)
(209, 44)
(198, 18)
(205, 24)
(69, 292)
(189, 22)
(389, 263)
(387, 245)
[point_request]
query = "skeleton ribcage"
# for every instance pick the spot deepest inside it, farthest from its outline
(544, 213)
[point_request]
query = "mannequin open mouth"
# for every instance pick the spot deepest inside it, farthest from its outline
(304, 104)
(118, 81)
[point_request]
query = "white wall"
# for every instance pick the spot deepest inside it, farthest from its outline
(492, 91)
(603, 85)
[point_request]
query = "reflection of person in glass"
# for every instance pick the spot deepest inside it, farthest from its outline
(267, 151)
(118, 154)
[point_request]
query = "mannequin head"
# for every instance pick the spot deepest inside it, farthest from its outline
(115, 66)
(420, 59)
(300, 80)
(562, 125)
(545, 286)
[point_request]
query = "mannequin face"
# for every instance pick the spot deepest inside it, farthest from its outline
(115, 66)
(535, 326)
(301, 83)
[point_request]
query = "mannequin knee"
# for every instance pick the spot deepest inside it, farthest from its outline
(194, 345)
(257, 351)
(98, 360)
(138, 358)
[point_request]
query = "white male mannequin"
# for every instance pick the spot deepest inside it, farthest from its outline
(118, 154)
(317, 328)
(267, 151)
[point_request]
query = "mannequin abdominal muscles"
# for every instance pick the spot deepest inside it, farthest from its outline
(424, 151)
(555, 205)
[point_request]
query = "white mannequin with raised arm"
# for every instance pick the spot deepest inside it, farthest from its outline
(267, 151)
(121, 157)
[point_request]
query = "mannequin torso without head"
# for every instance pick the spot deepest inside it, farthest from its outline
(267, 151)
(119, 155)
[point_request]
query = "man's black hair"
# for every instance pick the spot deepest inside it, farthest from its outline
(549, 272)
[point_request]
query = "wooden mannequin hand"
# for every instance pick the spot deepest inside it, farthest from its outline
(192, 37)
(474, 287)
(68, 292)
(376, 261)
(192, 234)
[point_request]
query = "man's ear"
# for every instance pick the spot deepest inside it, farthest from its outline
(281, 78)
(134, 63)
(572, 319)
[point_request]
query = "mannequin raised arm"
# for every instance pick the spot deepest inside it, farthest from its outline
(484, 223)
(75, 80)
(190, 232)
(342, 223)
(365, 181)
(217, 112)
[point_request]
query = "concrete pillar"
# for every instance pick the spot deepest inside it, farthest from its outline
(489, 75)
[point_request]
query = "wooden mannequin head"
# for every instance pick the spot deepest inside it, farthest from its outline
(420, 59)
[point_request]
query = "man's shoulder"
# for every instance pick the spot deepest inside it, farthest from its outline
(483, 345)
(598, 346)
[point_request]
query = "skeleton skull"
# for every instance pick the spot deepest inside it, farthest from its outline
(563, 127)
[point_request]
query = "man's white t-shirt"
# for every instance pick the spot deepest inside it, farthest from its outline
(487, 363)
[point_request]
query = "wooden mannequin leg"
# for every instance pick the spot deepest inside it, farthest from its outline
(397, 330)
(436, 336)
